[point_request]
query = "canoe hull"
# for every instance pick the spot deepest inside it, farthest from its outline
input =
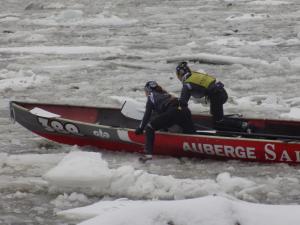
(89, 133)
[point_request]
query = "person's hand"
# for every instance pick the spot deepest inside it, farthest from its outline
(138, 131)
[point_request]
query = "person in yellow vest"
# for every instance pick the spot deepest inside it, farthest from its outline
(201, 85)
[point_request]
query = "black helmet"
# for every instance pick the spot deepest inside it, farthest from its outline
(150, 85)
(182, 69)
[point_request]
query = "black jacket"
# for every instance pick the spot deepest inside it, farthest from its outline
(158, 102)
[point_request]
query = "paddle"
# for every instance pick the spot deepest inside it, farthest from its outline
(133, 109)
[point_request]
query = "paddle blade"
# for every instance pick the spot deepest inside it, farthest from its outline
(133, 110)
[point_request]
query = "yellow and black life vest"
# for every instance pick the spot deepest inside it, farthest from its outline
(201, 79)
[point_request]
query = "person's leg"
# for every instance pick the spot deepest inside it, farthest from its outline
(221, 122)
(150, 137)
(184, 120)
(216, 108)
(164, 120)
(217, 100)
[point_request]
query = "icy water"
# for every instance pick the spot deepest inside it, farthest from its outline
(84, 52)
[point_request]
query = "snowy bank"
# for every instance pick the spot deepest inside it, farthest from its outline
(88, 173)
(214, 210)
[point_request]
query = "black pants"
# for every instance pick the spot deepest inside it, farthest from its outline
(217, 99)
(216, 108)
(181, 117)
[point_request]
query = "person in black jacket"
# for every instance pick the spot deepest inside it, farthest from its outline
(201, 85)
(168, 113)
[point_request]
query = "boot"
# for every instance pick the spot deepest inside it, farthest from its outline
(145, 158)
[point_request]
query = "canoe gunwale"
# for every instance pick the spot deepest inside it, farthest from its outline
(238, 136)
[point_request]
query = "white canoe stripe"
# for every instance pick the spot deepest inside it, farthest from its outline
(123, 135)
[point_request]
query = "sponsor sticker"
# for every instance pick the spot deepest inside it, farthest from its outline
(276, 152)
(102, 134)
(57, 126)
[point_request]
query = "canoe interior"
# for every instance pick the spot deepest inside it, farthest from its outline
(104, 116)
(113, 117)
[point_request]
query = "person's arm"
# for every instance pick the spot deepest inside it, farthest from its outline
(185, 95)
(146, 117)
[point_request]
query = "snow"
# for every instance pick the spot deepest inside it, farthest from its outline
(64, 50)
(80, 174)
(75, 18)
(260, 103)
(220, 59)
(34, 164)
(67, 201)
(268, 2)
(21, 80)
(294, 113)
(87, 172)
(217, 210)
(296, 62)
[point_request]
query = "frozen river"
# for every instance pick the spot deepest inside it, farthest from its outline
(84, 52)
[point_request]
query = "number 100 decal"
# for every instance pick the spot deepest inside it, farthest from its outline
(56, 126)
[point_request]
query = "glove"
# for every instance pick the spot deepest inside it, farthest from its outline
(138, 131)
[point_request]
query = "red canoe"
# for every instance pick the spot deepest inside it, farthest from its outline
(108, 128)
